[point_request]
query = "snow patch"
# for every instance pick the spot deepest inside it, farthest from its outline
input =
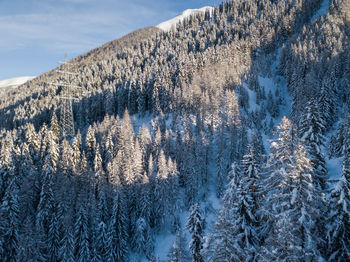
(252, 99)
(334, 167)
(322, 11)
(169, 24)
(14, 82)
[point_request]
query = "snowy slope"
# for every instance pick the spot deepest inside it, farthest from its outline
(167, 25)
(322, 11)
(14, 82)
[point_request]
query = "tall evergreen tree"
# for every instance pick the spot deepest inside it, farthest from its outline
(195, 225)
(55, 234)
(311, 129)
(118, 228)
(338, 222)
(178, 251)
(235, 235)
(66, 252)
(292, 203)
(91, 145)
(10, 223)
(82, 248)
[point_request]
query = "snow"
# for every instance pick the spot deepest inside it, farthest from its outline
(14, 82)
(209, 209)
(334, 167)
(252, 99)
(163, 244)
(169, 24)
(322, 11)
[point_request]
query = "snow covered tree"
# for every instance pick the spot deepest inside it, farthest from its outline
(178, 251)
(143, 242)
(103, 247)
(195, 224)
(54, 127)
(235, 235)
(91, 145)
(292, 203)
(10, 223)
(118, 228)
(66, 252)
(251, 176)
(338, 222)
(161, 192)
(109, 150)
(55, 234)
(82, 248)
(76, 157)
(47, 201)
(311, 129)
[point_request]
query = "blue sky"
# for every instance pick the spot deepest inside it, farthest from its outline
(36, 34)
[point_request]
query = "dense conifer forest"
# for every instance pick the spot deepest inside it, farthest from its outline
(248, 103)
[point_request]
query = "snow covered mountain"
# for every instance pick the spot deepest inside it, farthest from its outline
(169, 24)
(14, 82)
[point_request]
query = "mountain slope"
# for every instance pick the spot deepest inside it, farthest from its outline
(248, 105)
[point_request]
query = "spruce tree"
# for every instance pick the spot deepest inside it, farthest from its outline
(9, 222)
(81, 232)
(55, 234)
(195, 225)
(118, 228)
(292, 203)
(311, 129)
(91, 145)
(235, 235)
(178, 251)
(338, 222)
(66, 252)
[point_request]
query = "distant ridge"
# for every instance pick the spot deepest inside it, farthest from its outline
(167, 25)
(14, 82)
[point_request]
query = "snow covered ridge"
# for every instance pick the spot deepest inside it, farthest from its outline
(14, 82)
(167, 25)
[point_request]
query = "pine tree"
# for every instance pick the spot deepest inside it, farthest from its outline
(54, 127)
(6, 165)
(338, 229)
(102, 245)
(47, 201)
(178, 251)
(118, 228)
(76, 154)
(251, 176)
(91, 145)
(66, 252)
(55, 234)
(126, 149)
(311, 129)
(109, 150)
(9, 223)
(82, 249)
(292, 203)
(161, 192)
(236, 237)
(143, 243)
(195, 225)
